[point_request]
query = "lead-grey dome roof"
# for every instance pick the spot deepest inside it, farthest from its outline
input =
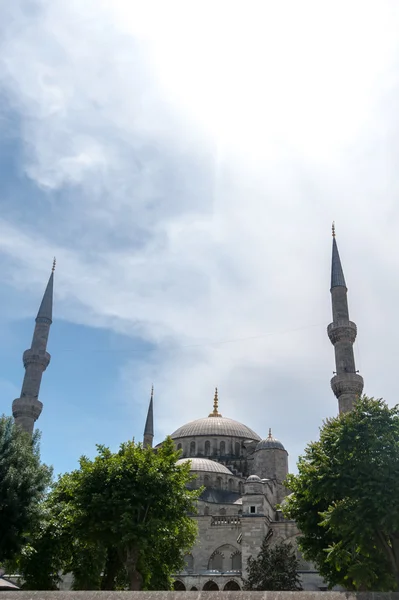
(204, 464)
(215, 426)
(270, 443)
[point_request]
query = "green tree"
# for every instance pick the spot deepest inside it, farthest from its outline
(23, 484)
(345, 498)
(275, 568)
(120, 520)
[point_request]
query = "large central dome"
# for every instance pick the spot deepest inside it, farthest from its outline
(219, 426)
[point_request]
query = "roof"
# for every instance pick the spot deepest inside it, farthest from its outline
(217, 496)
(204, 464)
(149, 424)
(337, 274)
(220, 426)
(5, 584)
(270, 443)
(46, 306)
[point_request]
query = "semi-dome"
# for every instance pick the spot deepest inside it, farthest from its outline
(204, 464)
(254, 478)
(270, 443)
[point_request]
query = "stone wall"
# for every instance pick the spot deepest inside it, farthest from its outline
(197, 596)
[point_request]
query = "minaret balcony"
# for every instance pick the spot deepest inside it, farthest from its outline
(347, 383)
(33, 358)
(27, 406)
(342, 331)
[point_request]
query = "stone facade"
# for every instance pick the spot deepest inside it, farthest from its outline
(243, 478)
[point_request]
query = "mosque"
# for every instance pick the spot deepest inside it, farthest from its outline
(242, 472)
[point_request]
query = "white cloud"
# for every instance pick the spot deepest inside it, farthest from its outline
(204, 150)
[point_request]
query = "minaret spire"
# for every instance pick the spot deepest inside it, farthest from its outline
(149, 424)
(28, 407)
(346, 384)
(215, 412)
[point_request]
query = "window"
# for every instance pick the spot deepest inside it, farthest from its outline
(231, 485)
(207, 448)
(241, 488)
(189, 560)
(253, 509)
(216, 562)
(222, 449)
(219, 483)
(206, 510)
(206, 481)
(237, 449)
(179, 446)
(222, 512)
(192, 449)
(236, 562)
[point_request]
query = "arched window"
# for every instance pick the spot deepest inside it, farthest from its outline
(237, 449)
(179, 446)
(211, 586)
(207, 448)
(222, 448)
(222, 512)
(231, 485)
(179, 586)
(219, 483)
(231, 585)
(192, 449)
(236, 561)
(206, 481)
(241, 488)
(216, 562)
(189, 560)
(206, 510)
(194, 589)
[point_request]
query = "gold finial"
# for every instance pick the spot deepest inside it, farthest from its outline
(333, 228)
(152, 392)
(54, 263)
(215, 412)
(270, 433)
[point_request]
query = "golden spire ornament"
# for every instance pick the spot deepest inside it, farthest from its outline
(333, 228)
(54, 263)
(215, 412)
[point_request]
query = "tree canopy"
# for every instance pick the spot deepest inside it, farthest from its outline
(23, 483)
(275, 568)
(119, 520)
(345, 498)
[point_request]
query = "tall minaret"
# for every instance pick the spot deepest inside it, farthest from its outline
(149, 424)
(28, 407)
(347, 385)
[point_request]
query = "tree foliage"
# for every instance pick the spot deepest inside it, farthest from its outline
(345, 498)
(23, 483)
(119, 521)
(275, 568)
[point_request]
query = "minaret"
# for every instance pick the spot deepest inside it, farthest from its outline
(347, 385)
(28, 407)
(149, 424)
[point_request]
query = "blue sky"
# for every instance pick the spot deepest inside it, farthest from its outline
(183, 162)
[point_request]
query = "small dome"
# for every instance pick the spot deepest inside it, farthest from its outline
(204, 464)
(254, 478)
(270, 443)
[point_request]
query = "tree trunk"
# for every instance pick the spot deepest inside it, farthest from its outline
(135, 578)
(112, 564)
